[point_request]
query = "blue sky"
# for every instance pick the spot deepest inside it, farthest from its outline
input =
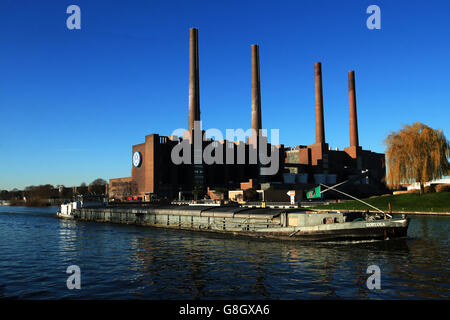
(73, 102)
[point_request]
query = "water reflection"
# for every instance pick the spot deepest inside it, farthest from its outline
(67, 237)
(203, 265)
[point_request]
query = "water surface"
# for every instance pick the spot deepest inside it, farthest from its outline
(132, 262)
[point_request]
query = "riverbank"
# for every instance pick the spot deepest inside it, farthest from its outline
(40, 203)
(437, 203)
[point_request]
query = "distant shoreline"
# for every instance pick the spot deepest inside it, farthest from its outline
(30, 205)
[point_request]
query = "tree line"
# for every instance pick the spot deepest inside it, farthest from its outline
(48, 194)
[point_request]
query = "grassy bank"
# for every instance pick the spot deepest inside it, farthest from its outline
(410, 202)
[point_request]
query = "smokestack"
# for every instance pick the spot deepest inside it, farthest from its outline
(194, 88)
(352, 109)
(256, 90)
(320, 128)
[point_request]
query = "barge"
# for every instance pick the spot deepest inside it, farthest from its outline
(67, 209)
(284, 224)
(277, 223)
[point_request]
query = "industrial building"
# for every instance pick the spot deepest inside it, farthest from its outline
(154, 173)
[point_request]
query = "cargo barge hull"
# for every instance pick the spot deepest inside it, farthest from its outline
(267, 223)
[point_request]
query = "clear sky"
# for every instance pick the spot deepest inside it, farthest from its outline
(73, 102)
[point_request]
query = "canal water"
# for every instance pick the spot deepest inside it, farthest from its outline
(131, 262)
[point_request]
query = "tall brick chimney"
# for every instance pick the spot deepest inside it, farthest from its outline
(194, 88)
(320, 128)
(256, 90)
(352, 110)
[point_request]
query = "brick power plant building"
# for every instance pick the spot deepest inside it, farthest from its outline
(154, 173)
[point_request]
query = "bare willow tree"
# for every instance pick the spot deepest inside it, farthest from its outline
(417, 153)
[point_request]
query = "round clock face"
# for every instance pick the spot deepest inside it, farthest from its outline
(137, 159)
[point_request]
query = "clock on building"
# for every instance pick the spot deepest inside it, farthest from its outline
(137, 159)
